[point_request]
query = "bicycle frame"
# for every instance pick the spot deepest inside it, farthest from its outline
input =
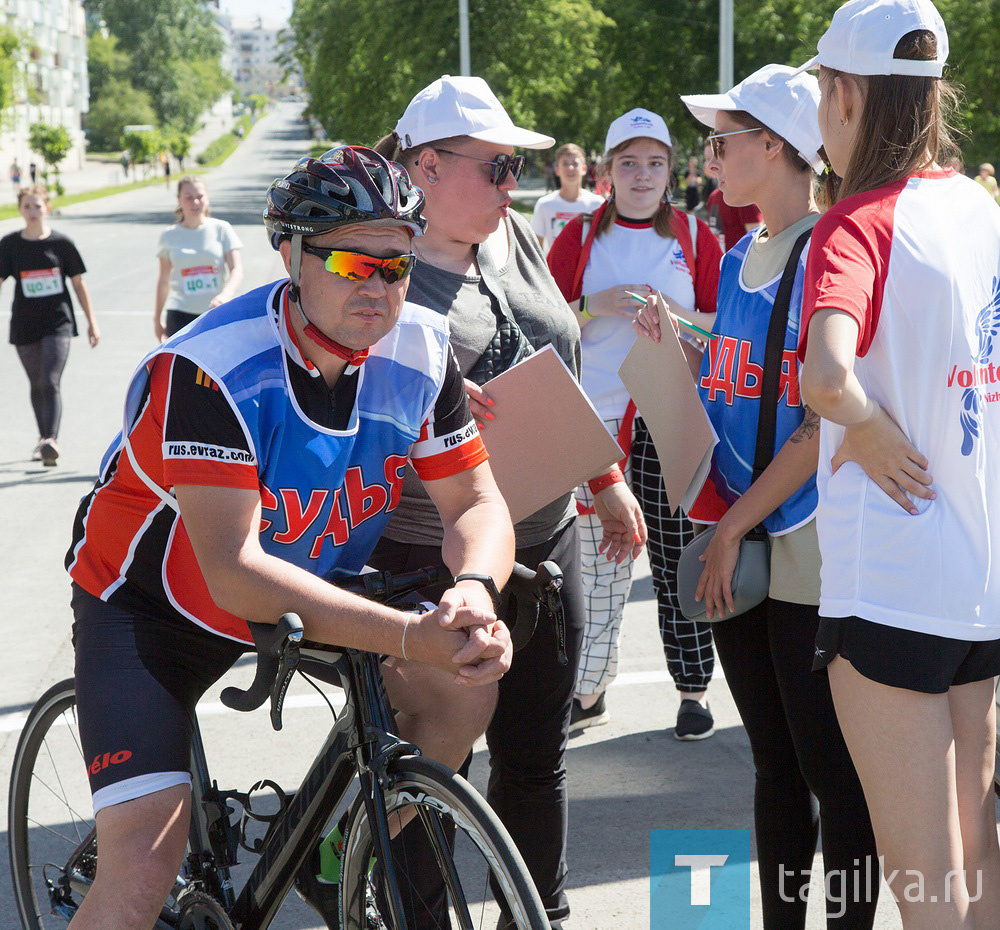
(361, 741)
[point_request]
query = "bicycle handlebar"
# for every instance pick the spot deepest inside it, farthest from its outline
(278, 644)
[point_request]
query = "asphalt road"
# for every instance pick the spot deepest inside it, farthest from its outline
(627, 778)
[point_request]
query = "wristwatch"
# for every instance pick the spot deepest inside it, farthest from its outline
(487, 582)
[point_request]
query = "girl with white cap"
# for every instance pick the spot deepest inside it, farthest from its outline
(480, 264)
(766, 149)
(598, 262)
(900, 345)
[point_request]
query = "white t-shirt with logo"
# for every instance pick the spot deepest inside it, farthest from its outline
(197, 262)
(917, 264)
(627, 253)
(552, 213)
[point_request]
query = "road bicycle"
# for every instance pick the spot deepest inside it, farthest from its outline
(52, 840)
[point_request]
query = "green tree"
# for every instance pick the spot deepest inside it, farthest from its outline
(105, 62)
(143, 144)
(53, 143)
(118, 106)
(178, 143)
(10, 49)
(174, 48)
(533, 53)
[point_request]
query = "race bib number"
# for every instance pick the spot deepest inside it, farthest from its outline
(44, 282)
(202, 279)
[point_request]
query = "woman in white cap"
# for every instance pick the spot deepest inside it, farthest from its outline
(766, 149)
(635, 244)
(479, 262)
(900, 344)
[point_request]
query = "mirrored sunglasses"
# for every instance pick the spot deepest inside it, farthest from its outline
(718, 140)
(502, 165)
(359, 266)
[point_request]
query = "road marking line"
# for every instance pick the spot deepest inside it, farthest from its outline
(13, 722)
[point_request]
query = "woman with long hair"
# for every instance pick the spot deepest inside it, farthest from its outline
(766, 150)
(900, 334)
(42, 321)
(636, 243)
(199, 257)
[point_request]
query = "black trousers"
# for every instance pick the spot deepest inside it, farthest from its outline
(43, 363)
(528, 735)
(804, 773)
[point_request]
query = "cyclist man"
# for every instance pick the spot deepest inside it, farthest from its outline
(260, 449)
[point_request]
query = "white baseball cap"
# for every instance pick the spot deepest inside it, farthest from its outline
(462, 106)
(637, 124)
(864, 33)
(784, 100)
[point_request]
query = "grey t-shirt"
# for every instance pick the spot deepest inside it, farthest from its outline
(544, 317)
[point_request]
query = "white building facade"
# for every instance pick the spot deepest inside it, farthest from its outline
(52, 85)
(257, 44)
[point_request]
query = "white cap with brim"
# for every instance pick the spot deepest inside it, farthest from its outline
(463, 106)
(784, 100)
(637, 124)
(864, 33)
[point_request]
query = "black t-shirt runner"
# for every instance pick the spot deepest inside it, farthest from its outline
(41, 269)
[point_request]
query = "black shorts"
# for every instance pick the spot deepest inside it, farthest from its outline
(138, 679)
(904, 659)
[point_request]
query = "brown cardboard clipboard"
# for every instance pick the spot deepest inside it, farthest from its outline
(547, 437)
(657, 377)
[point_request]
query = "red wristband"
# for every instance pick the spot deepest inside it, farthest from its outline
(601, 482)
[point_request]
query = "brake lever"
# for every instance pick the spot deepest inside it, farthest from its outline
(277, 658)
(549, 579)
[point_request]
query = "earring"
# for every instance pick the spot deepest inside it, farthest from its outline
(431, 180)
(845, 121)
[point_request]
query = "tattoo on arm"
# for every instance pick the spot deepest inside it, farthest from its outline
(807, 428)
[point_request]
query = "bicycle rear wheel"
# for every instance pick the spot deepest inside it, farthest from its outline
(475, 877)
(50, 826)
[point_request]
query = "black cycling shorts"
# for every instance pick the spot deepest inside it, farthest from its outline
(138, 679)
(902, 658)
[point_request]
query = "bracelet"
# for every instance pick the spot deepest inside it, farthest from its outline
(584, 312)
(601, 482)
(402, 645)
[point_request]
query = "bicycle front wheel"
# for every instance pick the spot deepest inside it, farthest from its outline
(456, 866)
(51, 834)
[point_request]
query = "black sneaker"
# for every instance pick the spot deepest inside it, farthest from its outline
(322, 896)
(593, 716)
(694, 721)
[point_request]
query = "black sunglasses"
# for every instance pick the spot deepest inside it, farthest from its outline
(502, 165)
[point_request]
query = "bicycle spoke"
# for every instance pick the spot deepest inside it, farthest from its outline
(35, 777)
(446, 863)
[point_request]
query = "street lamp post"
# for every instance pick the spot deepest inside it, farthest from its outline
(725, 45)
(464, 66)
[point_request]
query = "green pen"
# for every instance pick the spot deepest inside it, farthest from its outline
(683, 322)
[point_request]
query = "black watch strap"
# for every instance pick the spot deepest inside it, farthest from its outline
(487, 582)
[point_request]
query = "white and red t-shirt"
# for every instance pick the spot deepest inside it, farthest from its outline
(917, 264)
(553, 211)
(630, 253)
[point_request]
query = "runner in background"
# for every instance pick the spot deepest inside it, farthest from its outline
(42, 320)
(553, 211)
(199, 257)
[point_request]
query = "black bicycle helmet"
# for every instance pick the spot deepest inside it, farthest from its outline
(346, 185)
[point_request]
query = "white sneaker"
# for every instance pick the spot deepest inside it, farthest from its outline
(36, 453)
(49, 451)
